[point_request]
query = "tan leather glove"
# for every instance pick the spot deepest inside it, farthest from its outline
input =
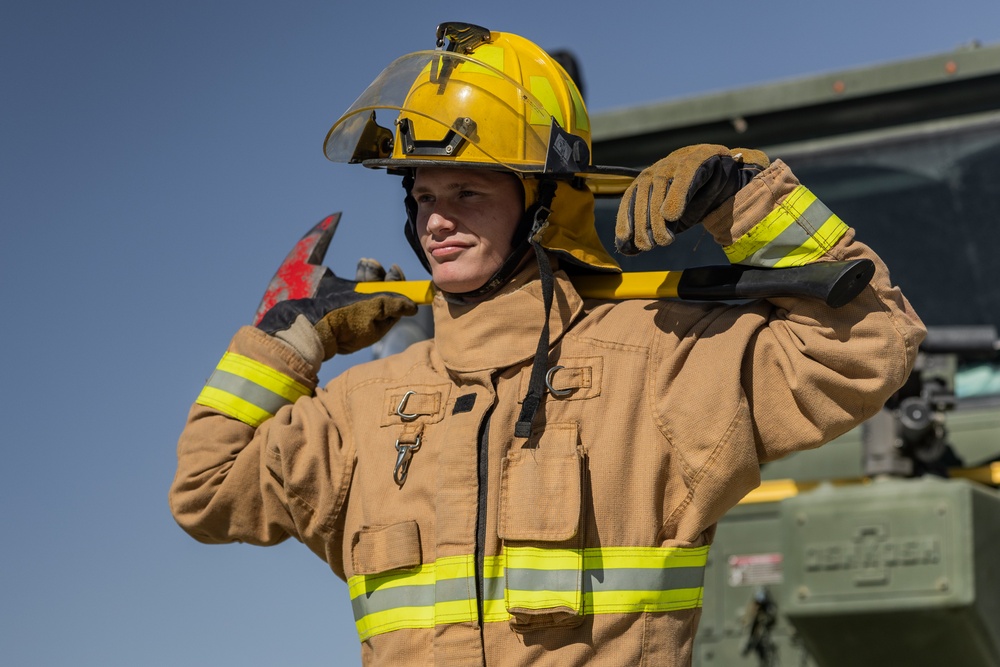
(677, 192)
(343, 320)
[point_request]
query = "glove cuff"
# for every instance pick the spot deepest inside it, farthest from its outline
(302, 337)
(751, 204)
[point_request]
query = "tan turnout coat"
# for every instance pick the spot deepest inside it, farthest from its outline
(660, 416)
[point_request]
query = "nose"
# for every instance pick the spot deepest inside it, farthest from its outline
(439, 221)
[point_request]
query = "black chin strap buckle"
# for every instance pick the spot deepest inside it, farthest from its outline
(539, 224)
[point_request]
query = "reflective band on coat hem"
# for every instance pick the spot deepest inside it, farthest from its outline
(605, 581)
(422, 597)
(249, 390)
(798, 232)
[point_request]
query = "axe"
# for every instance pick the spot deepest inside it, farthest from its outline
(835, 283)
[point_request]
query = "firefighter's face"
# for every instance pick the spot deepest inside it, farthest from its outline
(466, 220)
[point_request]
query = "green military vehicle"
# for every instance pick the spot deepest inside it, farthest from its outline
(883, 547)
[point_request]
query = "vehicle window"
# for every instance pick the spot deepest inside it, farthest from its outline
(928, 202)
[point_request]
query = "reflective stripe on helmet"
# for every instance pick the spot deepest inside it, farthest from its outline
(609, 580)
(248, 390)
(798, 232)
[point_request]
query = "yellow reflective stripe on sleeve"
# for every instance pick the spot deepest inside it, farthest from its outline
(248, 390)
(263, 375)
(799, 231)
(606, 580)
(233, 406)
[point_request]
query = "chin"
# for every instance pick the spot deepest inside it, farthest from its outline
(456, 284)
(458, 287)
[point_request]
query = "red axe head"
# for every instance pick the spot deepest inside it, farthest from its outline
(300, 273)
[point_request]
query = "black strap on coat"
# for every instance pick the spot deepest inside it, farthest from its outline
(536, 384)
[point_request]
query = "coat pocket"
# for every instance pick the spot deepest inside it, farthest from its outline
(391, 588)
(376, 549)
(540, 518)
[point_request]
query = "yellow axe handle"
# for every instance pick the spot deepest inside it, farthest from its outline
(637, 285)
(835, 283)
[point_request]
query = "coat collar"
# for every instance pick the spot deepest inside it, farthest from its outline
(503, 330)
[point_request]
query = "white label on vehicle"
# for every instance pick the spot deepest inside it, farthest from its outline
(755, 569)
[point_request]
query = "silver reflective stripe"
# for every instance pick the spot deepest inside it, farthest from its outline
(493, 588)
(249, 391)
(599, 581)
(522, 579)
(446, 590)
(792, 237)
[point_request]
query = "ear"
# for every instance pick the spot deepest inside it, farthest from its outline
(410, 226)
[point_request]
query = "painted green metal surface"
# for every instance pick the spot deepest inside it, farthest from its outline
(866, 565)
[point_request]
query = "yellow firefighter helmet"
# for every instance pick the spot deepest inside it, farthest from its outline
(490, 99)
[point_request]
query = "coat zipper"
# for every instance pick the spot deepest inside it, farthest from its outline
(482, 461)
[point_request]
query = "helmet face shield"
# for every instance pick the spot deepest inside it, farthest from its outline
(446, 106)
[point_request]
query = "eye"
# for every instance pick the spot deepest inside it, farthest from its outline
(424, 198)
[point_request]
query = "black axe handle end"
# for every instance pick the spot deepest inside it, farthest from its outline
(835, 283)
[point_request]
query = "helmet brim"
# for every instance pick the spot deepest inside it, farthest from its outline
(602, 180)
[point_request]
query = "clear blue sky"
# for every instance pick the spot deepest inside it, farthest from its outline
(157, 162)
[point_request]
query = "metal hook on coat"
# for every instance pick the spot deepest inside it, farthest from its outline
(404, 453)
(407, 443)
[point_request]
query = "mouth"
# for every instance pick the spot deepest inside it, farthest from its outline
(446, 249)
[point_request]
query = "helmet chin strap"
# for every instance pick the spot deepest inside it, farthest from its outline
(536, 383)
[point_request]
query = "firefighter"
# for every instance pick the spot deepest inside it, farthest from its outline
(539, 483)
